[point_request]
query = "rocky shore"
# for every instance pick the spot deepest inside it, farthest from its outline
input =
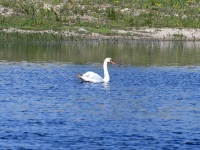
(142, 33)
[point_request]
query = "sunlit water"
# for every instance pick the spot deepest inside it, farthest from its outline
(151, 103)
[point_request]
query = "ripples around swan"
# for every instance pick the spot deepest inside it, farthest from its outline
(44, 106)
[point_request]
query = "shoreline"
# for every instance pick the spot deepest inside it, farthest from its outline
(162, 34)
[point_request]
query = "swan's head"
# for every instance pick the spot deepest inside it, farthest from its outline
(109, 60)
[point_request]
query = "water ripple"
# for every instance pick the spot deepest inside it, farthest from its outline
(44, 106)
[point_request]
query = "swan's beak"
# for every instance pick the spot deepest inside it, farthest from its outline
(112, 62)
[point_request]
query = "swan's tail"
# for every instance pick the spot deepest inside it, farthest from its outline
(79, 75)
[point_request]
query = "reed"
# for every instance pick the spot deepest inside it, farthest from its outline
(34, 37)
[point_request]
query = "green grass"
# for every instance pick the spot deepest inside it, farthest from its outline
(105, 31)
(103, 15)
(35, 37)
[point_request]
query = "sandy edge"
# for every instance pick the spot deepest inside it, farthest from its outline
(142, 33)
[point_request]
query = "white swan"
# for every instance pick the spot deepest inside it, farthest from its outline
(95, 78)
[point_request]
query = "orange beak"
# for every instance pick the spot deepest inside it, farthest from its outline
(112, 62)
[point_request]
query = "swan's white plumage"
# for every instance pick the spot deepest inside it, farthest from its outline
(95, 78)
(91, 77)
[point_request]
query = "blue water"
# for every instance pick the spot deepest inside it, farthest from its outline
(44, 106)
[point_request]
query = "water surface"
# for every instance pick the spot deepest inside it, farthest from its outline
(151, 102)
(135, 53)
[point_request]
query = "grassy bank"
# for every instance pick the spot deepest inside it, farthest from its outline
(98, 16)
(63, 14)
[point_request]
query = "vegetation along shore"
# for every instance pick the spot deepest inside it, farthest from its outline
(101, 19)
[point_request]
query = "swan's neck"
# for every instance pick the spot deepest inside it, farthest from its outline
(106, 74)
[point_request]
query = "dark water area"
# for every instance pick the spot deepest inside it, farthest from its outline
(135, 53)
(151, 102)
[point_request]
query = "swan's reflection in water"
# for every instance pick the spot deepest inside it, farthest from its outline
(89, 85)
(106, 85)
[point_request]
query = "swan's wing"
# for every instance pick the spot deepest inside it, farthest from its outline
(91, 77)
